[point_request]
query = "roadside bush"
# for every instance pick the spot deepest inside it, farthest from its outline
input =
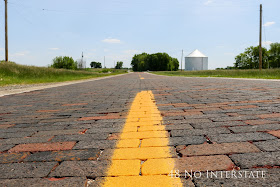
(64, 63)
(105, 71)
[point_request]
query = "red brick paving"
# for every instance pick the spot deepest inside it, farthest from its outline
(204, 163)
(216, 149)
(108, 103)
(75, 104)
(6, 126)
(13, 157)
(258, 122)
(100, 117)
(239, 107)
(274, 115)
(275, 133)
(34, 147)
(43, 111)
(181, 113)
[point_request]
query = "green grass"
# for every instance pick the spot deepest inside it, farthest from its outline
(12, 73)
(256, 74)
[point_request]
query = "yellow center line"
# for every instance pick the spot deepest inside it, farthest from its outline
(140, 76)
(142, 156)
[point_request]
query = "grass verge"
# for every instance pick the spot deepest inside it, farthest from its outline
(12, 73)
(256, 74)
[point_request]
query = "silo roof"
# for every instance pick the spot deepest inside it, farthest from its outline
(196, 53)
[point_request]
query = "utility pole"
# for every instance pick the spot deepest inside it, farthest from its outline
(182, 61)
(260, 45)
(104, 62)
(83, 60)
(6, 30)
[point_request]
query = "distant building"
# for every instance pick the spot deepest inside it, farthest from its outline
(196, 61)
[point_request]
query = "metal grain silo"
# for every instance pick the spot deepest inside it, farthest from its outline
(196, 61)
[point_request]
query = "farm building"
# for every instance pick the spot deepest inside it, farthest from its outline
(196, 61)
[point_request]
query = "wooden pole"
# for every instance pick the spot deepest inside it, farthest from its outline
(260, 45)
(182, 61)
(6, 30)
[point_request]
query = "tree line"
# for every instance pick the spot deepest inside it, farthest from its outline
(154, 62)
(66, 62)
(249, 59)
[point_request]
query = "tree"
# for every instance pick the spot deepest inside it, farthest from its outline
(64, 62)
(250, 58)
(138, 62)
(274, 55)
(241, 61)
(154, 62)
(95, 64)
(119, 65)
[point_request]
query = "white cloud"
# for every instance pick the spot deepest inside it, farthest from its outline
(19, 54)
(267, 24)
(111, 40)
(267, 42)
(2, 49)
(54, 48)
(208, 2)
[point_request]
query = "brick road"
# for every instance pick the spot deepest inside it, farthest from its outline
(74, 135)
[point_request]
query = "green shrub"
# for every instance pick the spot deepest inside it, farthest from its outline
(105, 71)
(64, 63)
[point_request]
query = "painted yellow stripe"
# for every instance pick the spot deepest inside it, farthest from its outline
(142, 156)
(140, 76)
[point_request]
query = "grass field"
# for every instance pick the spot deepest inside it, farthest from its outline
(12, 73)
(256, 74)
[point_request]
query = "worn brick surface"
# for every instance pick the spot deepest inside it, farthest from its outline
(6, 126)
(249, 160)
(252, 177)
(12, 157)
(25, 140)
(87, 154)
(5, 147)
(194, 132)
(197, 112)
(187, 140)
(275, 133)
(274, 115)
(255, 136)
(43, 147)
(26, 170)
(58, 132)
(217, 124)
(80, 137)
(100, 144)
(255, 128)
(259, 122)
(15, 135)
(45, 182)
(199, 163)
(217, 149)
(81, 168)
(269, 145)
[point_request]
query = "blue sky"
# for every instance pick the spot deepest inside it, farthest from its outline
(40, 30)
